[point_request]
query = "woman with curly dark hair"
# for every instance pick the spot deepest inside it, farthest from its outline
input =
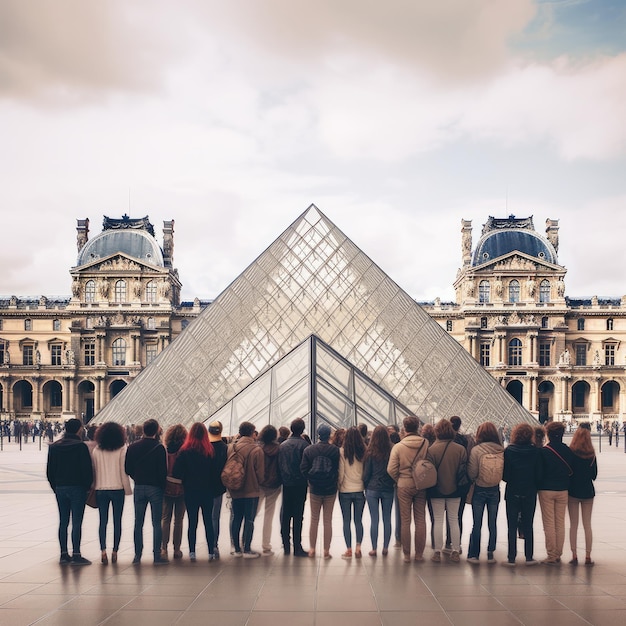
(379, 486)
(350, 484)
(110, 482)
(196, 469)
(270, 486)
(173, 496)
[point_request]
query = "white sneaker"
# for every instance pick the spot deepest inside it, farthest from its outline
(268, 553)
(473, 560)
(192, 557)
(236, 554)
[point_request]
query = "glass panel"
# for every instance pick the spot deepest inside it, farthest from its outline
(251, 399)
(333, 370)
(372, 400)
(365, 418)
(292, 368)
(294, 403)
(336, 409)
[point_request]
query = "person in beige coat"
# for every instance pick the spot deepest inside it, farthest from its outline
(246, 500)
(412, 501)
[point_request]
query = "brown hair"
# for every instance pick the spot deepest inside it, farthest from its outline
(380, 445)
(555, 431)
(410, 424)
(428, 432)
(539, 435)
(175, 437)
(444, 430)
(487, 432)
(581, 444)
(353, 445)
(522, 434)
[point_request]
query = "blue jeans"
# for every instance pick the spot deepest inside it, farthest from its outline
(244, 511)
(196, 500)
(71, 503)
(116, 498)
(484, 497)
(376, 499)
(143, 495)
(215, 518)
(348, 502)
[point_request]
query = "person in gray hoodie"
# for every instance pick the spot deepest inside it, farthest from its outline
(486, 494)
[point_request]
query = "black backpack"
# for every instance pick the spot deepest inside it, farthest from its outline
(322, 475)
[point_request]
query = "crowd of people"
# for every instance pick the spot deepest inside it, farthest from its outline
(195, 470)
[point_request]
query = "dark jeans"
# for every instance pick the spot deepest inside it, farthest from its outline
(484, 497)
(172, 507)
(215, 518)
(376, 500)
(144, 495)
(294, 499)
(196, 500)
(522, 508)
(71, 503)
(352, 505)
(244, 510)
(116, 498)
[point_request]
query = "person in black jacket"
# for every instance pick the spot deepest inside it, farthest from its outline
(555, 463)
(221, 453)
(70, 474)
(521, 474)
(320, 466)
(581, 490)
(146, 464)
(294, 487)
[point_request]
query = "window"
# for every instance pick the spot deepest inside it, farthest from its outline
(515, 352)
(151, 353)
(120, 291)
(56, 324)
(28, 324)
(151, 292)
(55, 354)
(184, 324)
(609, 324)
(544, 291)
(544, 354)
(90, 353)
(544, 322)
(89, 322)
(90, 291)
(484, 291)
(581, 353)
(27, 354)
(581, 323)
(609, 354)
(485, 354)
(119, 352)
(151, 323)
(3, 349)
(483, 322)
(449, 325)
(579, 396)
(1, 321)
(514, 291)
(56, 396)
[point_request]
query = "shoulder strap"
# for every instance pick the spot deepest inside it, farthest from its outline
(569, 469)
(444, 454)
(417, 456)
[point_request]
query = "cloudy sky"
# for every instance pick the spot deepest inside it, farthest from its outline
(397, 118)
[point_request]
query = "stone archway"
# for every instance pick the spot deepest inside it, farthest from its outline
(86, 394)
(546, 401)
(580, 398)
(115, 387)
(22, 397)
(53, 397)
(610, 397)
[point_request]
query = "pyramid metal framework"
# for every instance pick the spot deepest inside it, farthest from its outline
(314, 281)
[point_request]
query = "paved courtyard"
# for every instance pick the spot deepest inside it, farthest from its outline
(35, 589)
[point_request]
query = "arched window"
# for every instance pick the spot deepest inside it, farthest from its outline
(544, 322)
(514, 291)
(120, 291)
(119, 352)
(90, 291)
(609, 324)
(483, 322)
(484, 291)
(151, 292)
(151, 323)
(544, 291)
(28, 324)
(581, 323)
(56, 324)
(515, 352)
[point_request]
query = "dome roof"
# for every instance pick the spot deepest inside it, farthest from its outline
(497, 243)
(136, 243)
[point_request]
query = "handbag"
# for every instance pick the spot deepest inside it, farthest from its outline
(91, 500)
(423, 471)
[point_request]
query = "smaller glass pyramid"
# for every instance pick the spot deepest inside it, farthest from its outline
(313, 281)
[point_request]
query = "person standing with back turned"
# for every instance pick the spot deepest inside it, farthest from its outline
(146, 464)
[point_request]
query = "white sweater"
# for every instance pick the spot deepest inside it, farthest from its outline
(108, 467)
(350, 476)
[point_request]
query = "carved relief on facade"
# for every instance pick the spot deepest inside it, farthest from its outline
(103, 288)
(136, 288)
(164, 289)
(560, 287)
(498, 288)
(531, 287)
(76, 288)
(515, 263)
(120, 263)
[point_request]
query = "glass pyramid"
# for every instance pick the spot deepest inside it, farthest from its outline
(313, 281)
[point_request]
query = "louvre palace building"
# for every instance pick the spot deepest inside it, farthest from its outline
(313, 328)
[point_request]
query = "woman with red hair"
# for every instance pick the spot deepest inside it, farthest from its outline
(196, 467)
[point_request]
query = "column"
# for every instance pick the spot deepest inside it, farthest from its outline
(96, 394)
(532, 340)
(534, 395)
